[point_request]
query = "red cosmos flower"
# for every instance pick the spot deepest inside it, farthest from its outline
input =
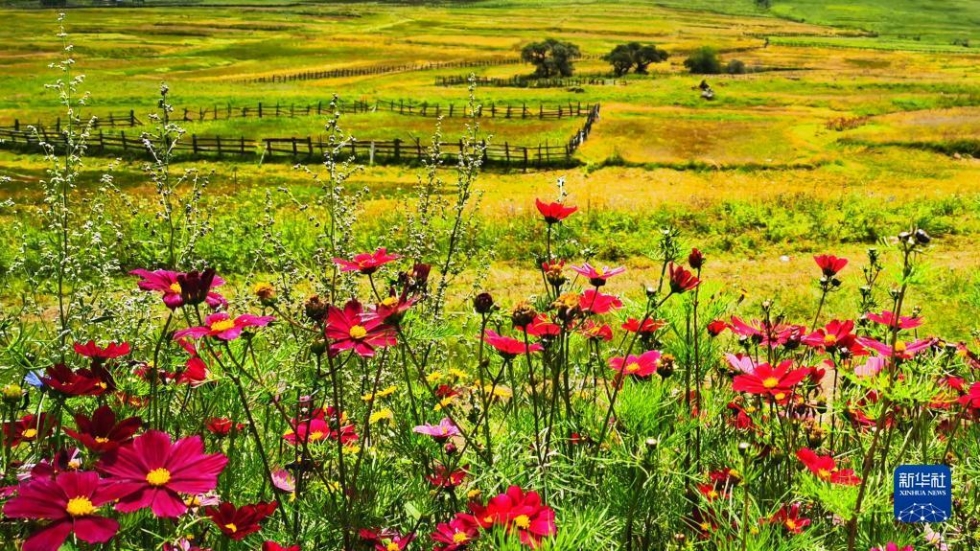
(716, 327)
(352, 328)
(704, 522)
(518, 511)
(594, 302)
(366, 263)
(971, 399)
(195, 373)
(152, 472)
(766, 334)
(902, 351)
(830, 265)
(508, 347)
(837, 335)
(592, 330)
(789, 518)
(553, 272)
(888, 319)
(826, 469)
(541, 326)
(387, 540)
(273, 546)
(70, 500)
(455, 535)
(681, 280)
(28, 428)
(554, 212)
(648, 326)
(741, 419)
(221, 426)
(641, 366)
(92, 350)
(392, 309)
(597, 276)
(220, 326)
(776, 382)
(84, 382)
(100, 433)
(444, 478)
(238, 522)
(168, 284)
(444, 430)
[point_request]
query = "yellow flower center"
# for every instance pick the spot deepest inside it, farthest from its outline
(770, 382)
(522, 522)
(790, 524)
(101, 439)
(633, 367)
(392, 546)
(460, 537)
(316, 435)
(222, 325)
(79, 506)
(389, 301)
(779, 396)
(158, 477)
(231, 528)
(11, 391)
(358, 332)
(900, 347)
(29, 433)
(713, 494)
(705, 526)
(829, 339)
(175, 287)
(823, 474)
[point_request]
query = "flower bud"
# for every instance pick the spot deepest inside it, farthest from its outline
(523, 314)
(696, 259)
(315, 309)
(483, 303)
(264, 291)
(11, 393)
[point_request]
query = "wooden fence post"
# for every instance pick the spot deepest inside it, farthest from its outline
(217, 140)
(241, 141)
(260, 109)
(122, 136)
(194, 143)
(525, 159)
(398, 154)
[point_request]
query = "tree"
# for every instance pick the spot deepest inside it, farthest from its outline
(551, 57)
(634, 55)
(704, 62)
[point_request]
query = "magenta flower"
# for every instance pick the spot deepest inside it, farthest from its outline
(353, 328)
(641, 366)
(597, 276)
(902, 351)
(152, 472)
(70, 500)
(168, 284)
(366, 263)
(445, 429)
(94, 351)
(220, 326)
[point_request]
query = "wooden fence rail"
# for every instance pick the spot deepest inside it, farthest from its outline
(529, 82)
(384, 69)
(310, 147)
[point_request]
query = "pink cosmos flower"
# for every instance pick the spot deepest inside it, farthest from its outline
(641, 366)
(508, 347)
(220, 326)
(902, 351)
(592, 301)
(353, 328)
(741, 363)
(597, 276)
(283, 480)
(444, 430)
(152, 472)
(168, 284)
(887, 319)
(70, 501)
(366, 263)
(94, 351)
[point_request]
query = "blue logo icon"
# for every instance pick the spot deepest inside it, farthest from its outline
(923, 493)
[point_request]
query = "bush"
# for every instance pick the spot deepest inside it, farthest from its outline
(735, 67)
(635, 56)
(704, 62)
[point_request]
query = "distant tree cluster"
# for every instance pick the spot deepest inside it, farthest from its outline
(634, 56)
(551, 58)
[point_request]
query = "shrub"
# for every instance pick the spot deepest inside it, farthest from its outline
(635, 56)
(704, 62)
(551, 57)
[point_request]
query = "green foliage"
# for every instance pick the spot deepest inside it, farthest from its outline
(704, 61)
(551, 57)
(634, 56)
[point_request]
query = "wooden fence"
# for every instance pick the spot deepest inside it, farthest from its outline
(310, 147)
(529, 82)
(112, 120)
(383, 69)
(400, 107)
